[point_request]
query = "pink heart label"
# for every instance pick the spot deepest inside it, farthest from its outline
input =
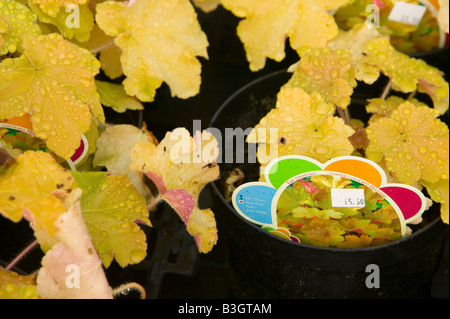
(408, 200)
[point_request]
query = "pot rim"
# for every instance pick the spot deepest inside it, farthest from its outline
(217, 191)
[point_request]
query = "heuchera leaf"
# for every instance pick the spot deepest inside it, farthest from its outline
(109, 55)
(292, 198)
(384, 107)
(114, 152)
(53, 7)
(202, 226)
(53, 81)
(72, 24)
(16, 23)
(414, 143)
(355, 41)
(305, 209)
(327, 72)
(111, 208)
(322, 233)
(33, 188)
(72, 268)
(113, 95)
(160, 42)
(408, 74)
(306, 126)
(267, 24)
(439, 192)
(181, 166)
(15, 286)
(206, 5)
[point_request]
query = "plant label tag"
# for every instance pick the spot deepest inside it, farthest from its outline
(300, 193)
(23, 124)
(407, 13)
(253, 202)
(342, 197)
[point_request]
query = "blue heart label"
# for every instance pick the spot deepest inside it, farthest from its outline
(253, 201)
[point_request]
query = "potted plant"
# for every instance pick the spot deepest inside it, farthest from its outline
(415, 34)
(302, 106)
(82, 177)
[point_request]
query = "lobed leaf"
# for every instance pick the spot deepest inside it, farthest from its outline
(355, 41)
(414, 144)
(327, 72)
(72, 24)
(53, 81)
(385, 107)
(16, 23)
(206, 5)
(114, 148)
(439, 192)
(34, 188)
(110, 53)
(114, 96)
(53, 7)
(409, 74)
(306, 126)
(72, 268)
(15, 286)
(160, 42)
(181, 166)
(268, 23)
(111, 207)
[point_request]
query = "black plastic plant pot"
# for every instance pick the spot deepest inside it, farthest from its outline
(263, 265)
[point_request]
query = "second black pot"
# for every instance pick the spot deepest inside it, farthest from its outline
(266, 266)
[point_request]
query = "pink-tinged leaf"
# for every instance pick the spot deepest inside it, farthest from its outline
(202, 225)
(310, 188)
(181, 201)
(72, 268)
(159, 182)
(181, 166)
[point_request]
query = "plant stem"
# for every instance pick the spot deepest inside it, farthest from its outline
(344, 114)
(21, 255)
(102, 47)
(154, 202)
(386, 90)
(412, 95)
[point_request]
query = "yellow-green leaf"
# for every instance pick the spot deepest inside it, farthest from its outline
(327, 72)
(113, 95)
(111, 207)
(34, 188)
(408, 74)
(72, 269)
(16, 23)
(306, 126)
(15, 286)
(53, 81)
(53, 7)
(73, 23)
(414, 143)
(267, 24)
(160, 42)
(181, 166)
(355, 41)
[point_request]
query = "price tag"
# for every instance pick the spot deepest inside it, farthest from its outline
(341, 197)
(407, 13)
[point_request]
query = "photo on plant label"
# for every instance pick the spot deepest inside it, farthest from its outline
(330, 210)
